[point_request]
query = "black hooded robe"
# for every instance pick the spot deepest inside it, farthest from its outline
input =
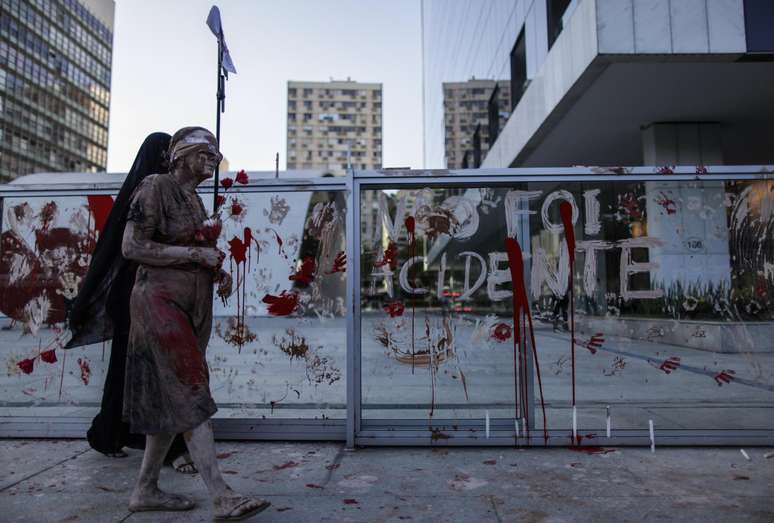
(101, 309)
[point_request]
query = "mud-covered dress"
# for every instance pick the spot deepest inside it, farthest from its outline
(167, 379)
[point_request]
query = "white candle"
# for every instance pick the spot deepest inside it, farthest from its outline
(607, 411)
(652, 436)
(487, 424)
(744, 454)
(574, 424)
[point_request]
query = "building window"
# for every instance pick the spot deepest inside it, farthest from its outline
(493, 110)
(758, 18)
(477, 147)
(518, 70)
(556, 9)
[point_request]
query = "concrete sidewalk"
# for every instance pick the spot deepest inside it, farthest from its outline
(65, 481)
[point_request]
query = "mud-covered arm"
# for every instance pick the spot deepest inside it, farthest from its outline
(138, 246)
(143, 219)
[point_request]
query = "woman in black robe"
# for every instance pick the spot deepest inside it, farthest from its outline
(101, 312)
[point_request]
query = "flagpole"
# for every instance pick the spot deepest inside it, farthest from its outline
(219, 95)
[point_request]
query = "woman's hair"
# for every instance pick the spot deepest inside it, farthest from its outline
(179, 135)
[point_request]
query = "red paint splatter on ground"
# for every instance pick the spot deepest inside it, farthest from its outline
(85, 370)
(670, 364)
(666, 203)
(27, 365)
(490, 462)
(350, 502)
(282, 305)
(49, 356)
(333, 466)
(521, 312)
(501, 332)
(339, 263)
(724, 376)
(593, 344)
(592, 450)
(227, 183)
(224, 455)
(390, 257)
(305, 273)
(287, 465)
(312, 485)
(242, 178)
(394, 309)
(100, 205)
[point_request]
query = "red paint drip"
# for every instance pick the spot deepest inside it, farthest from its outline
(305, 273)
(410, 227)
(238, 250)
(394, 309)
(227, 183)
(219, 201)
(565, 210)
(100, 205)
(520, 312)
(282, 305)
(236, 208)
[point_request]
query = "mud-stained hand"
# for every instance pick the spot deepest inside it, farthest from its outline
(225, 284)
(207, 256)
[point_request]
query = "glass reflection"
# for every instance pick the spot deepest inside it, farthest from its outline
(665, 315)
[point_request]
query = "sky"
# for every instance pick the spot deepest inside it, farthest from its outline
(164, 71)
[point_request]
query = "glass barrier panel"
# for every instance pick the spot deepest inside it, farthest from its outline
(278, 345)
(664, 286)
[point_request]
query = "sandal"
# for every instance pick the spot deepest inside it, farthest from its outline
(184, 464)
(171, 503)
(233, 513)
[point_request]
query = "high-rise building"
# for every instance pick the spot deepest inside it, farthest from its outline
(608, 82)
(334, 124)
(55, 66)
(466, 109)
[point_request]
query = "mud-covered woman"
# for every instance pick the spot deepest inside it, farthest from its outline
(167, 391)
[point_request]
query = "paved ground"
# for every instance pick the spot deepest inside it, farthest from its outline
(64, 481)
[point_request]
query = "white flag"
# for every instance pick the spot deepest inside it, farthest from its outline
(216, 26)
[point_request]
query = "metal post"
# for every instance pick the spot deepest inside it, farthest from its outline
(219, 97)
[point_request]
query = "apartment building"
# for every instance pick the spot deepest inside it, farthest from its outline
(332, 125)
(467, 107)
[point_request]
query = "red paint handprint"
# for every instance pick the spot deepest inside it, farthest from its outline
(724, 376)
(670, 364)
(594, 343)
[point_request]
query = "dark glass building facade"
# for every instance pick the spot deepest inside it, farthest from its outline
(55, 67)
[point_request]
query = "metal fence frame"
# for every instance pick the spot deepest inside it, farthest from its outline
(353, 429)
